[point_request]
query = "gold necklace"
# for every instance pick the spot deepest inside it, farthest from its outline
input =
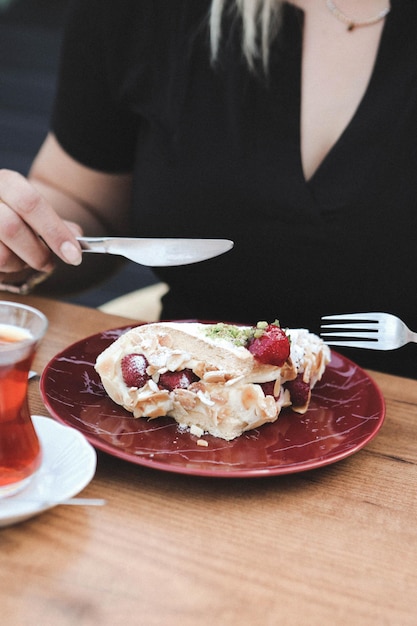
(351, 22)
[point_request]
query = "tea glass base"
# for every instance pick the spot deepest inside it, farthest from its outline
(10, 490)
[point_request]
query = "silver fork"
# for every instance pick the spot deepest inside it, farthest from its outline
(376, 331)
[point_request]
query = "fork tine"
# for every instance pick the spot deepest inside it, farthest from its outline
(352, 326)
(373, 345)
(365, 317)
(346, 333)
(351, 330)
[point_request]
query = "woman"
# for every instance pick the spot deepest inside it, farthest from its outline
(287, 127)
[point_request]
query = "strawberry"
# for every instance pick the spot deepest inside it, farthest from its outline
(134, 370)
(299, 391)
(269, 345)
(175, 380)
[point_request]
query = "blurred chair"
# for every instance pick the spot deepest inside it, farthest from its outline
(142, 304)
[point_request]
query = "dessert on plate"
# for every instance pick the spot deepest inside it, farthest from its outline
(218, 379)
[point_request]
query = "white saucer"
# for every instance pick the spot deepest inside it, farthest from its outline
(68, 465)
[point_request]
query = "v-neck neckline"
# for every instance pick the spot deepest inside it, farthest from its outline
(294, 39)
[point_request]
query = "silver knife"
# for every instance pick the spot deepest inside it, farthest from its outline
(157, 252)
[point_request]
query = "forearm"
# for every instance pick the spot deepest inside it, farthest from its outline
(98, 202)
(41, 217)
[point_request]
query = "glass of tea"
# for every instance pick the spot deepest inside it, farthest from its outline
(21, 329)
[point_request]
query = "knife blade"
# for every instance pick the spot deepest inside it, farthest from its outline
(157, 252)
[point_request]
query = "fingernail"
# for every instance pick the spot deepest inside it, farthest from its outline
(71, 253)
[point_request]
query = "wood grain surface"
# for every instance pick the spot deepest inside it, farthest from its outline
(331, 546)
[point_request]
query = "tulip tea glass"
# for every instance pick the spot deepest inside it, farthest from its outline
(21, 329)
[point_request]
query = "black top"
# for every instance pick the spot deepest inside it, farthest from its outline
(216, 153)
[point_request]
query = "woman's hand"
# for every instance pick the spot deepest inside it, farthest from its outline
(31, 232)
(41, 216)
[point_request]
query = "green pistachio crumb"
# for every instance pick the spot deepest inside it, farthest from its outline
(235, 334)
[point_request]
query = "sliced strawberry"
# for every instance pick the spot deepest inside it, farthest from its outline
(299, 391)
(134, 370)
(175, 380)
(271, 347)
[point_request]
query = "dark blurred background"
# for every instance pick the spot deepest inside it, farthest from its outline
(30, 37)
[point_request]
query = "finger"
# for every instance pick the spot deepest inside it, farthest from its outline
(10, 262)
(19, 245)
(76, 229)
(32, 208)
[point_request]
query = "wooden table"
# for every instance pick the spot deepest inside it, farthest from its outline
(332, 546)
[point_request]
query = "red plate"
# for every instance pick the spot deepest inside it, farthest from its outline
(346, 412)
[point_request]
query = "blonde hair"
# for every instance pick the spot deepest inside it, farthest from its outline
(260, 19)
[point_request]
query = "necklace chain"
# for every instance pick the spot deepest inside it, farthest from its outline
(351, 22)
